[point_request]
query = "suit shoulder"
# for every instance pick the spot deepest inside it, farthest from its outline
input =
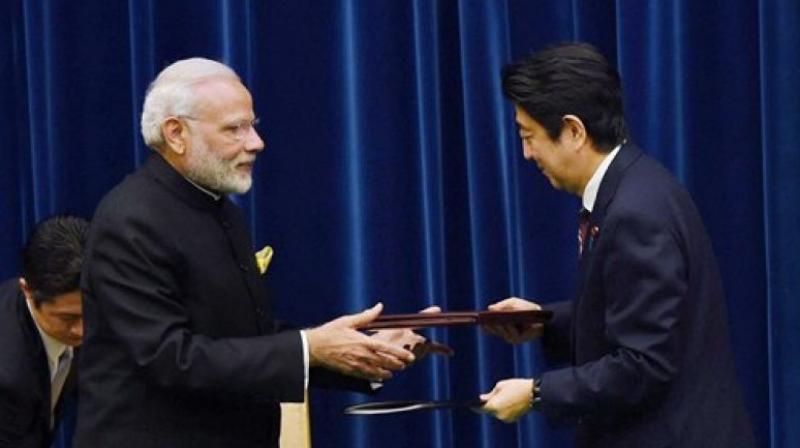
(9, 290)
(650, 196)
(649, 187)
(140, 201)
(127, 196)
(18, 348)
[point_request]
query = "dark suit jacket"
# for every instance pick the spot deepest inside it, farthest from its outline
(24, 376)
(646, 336)
(180, 346)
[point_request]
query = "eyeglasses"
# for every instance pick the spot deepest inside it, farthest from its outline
(236, 130)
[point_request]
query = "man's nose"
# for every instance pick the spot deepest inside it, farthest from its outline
(254, 143)
(77, 329)
(529, 153)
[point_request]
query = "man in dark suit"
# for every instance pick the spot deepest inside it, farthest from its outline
(645, 340)
(40, 325)
(181, 348)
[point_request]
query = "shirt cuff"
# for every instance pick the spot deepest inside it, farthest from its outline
(305, 359)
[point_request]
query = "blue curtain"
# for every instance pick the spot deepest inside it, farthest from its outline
(393, 172)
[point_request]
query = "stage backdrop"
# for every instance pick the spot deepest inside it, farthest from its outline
(393, 171)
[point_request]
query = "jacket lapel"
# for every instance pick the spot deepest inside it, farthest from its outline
(605, 195)
(608, 188)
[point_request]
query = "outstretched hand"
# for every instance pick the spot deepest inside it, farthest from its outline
(515, 333)
(415, 342)
(338, 345)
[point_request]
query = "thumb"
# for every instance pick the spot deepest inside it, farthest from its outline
(431, 309)
(488, 396)
(364, 317)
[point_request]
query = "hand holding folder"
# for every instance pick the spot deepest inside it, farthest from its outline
(494, 320)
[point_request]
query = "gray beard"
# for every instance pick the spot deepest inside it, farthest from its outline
(207, 170)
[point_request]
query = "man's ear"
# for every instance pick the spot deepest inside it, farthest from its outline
(26, 290)
(175, 135)
(573, 132)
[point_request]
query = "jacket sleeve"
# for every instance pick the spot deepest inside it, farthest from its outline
(132, 279)
(645, 281)
(556, 338)
(12, 426)
(322, 378)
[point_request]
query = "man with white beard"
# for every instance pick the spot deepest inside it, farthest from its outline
(180, 346)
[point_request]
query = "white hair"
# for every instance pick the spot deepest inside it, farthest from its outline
(171, 94)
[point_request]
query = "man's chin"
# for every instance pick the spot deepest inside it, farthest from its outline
(239, 186)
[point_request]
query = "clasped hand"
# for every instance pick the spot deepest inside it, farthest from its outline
(338, 345)
(509, 400)
(515, 334)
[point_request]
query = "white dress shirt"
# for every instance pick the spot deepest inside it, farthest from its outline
(592, 187)
(54, 350)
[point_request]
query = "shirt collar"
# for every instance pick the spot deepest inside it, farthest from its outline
(593, 186)
(215, 196)
(52, 347)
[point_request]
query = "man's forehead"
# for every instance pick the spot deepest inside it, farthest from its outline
(67, 302)
(221, 93)
(524, 120)
(520, 115)
(523, 124)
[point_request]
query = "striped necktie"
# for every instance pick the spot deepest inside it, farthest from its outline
(59, 377)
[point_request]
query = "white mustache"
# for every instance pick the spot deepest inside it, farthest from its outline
(248, 159)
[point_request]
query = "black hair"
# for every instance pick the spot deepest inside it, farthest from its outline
(53, 255)
(569, 78)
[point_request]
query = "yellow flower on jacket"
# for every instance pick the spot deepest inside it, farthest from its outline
(263, 258)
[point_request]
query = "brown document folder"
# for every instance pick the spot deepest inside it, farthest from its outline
(447, 319)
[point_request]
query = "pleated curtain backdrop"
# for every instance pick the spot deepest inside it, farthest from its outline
(393, 171)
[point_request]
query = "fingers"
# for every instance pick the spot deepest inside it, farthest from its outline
(365, 361)
(411, 340)
(492, 330)
(400, 353)
(507, 332)
(439, 349)
(351, 352)
(430, 347)
(489, 395)
(514, 304)
(403, 337)
(389, 362)
(359, 319)
(511, 333)
(367, 368)
(531, 332)
(375, 364)
(504, 305)
(431, 309)
(509, 400)
(366, 316)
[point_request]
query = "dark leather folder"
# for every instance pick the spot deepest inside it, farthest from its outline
(447, 319)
